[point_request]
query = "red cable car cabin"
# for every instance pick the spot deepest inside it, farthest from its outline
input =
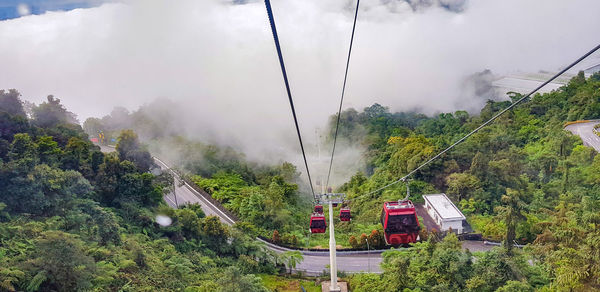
(317, 223)
(400, 223)
(318, 209)
(345, 214)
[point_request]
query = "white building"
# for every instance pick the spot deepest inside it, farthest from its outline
(445, 213)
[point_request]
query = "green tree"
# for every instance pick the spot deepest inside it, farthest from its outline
(292, 258)
(45, 191)
(368, 282)
(129, 148)
(511, 213)
(234, 281)
(9, 126)
(515, 286)
(189, 222)
(76, 155)
(51, 113)
(462, 186)
(119, 182)
(288, 172)
(61, 258)
(92, 126)
(179, 267)
(491, 271)
(10, 277)
(407, 153)
(23, 148)
(214, 233)
(10, 102)
(48, 151)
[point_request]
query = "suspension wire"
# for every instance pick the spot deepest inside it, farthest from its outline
(337, 123)
(287, 87)
(404, 178)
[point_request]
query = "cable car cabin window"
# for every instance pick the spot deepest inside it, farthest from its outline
(345, 215)
(401, 223)
(318, 224)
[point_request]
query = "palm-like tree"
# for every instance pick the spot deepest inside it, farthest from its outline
(292, 258)
(511, 212)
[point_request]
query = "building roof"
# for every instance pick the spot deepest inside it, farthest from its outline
(400, 207)
(443, 206)
(592, 69)
(524, 84)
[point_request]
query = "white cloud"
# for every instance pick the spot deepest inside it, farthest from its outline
(219, 59)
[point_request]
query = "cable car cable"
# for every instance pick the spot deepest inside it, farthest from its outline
(487, 122)
(287, 87)
(337, 124)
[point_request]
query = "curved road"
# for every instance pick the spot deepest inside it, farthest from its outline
(586, 132)
(315, 262)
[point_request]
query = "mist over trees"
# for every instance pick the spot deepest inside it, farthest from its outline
(523, 179)
(154, 120)
(10, 102)
(73, 218)
(129, 148)
(266, 197)
(51, 113)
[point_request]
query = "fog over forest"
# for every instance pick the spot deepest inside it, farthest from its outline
(215, 60)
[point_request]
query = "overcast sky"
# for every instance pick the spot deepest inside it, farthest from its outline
(219, 59)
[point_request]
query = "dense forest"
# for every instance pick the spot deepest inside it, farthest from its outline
(267, 198)
(73, 218)
(523, 179)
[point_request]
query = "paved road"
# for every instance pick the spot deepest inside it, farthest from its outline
(314, 263)
(106, 149)
(585, 131)
(184, 194)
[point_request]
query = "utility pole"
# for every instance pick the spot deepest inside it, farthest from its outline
(175, 195)
(318, 136)
(177, 181)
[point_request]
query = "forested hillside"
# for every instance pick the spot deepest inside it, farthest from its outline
(75, 219)
(522, 179)
(265, 197)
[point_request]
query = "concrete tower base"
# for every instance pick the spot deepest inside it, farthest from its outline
(343, 287)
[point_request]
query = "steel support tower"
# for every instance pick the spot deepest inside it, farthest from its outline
(330, 199)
